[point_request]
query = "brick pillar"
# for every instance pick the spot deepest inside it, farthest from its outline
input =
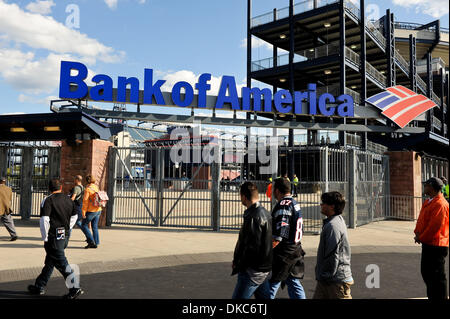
(405, 183)
(89, 157)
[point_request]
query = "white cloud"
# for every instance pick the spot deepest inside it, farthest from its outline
(28, 74)
(256, 43)
(33, 74)
(41, 6)
(112, 4)
(434, 8)
(44, 32)
(36, 100)
(192, 78)
(13, 113)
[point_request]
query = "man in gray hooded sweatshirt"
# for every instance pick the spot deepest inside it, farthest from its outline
(333, 273)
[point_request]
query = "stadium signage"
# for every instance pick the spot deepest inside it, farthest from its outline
(263, 99)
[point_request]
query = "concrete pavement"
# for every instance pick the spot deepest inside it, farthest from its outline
(134, 249)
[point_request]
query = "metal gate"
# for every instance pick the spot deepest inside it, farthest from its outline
(148, 188)
(28, 170)
(372, 187)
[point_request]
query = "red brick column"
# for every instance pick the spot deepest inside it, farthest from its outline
(406, 181)
(89, 157)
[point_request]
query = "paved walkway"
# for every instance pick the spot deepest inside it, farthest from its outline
(130, 250)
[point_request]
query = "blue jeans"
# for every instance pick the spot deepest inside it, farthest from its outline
(92, 218)
(55, 258)
(295, 288)
(245, 288)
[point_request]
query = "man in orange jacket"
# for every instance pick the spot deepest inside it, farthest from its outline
(432, 232)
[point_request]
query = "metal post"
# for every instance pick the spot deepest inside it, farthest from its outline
(342, 77)
(430, 113)
(291, 86)
(249, 82)
(160, 186)
(325, 169)
(111, 187)
(275, 64)
(26, 182)
(390, 48)
(442, 78)
(3, 161)
(352, 209)
(215, 191)
(412, 63)
(54, 163)
(362, 55)
(447, 89)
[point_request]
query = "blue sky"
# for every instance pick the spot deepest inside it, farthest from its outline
(178, 39)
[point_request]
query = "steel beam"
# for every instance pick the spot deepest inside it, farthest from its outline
(151, 117)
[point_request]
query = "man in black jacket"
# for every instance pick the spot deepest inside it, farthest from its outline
(253, 253)
(58, 216)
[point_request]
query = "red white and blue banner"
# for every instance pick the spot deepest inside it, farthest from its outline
(400, 104)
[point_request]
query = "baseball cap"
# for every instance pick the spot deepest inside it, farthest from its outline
(435, 182)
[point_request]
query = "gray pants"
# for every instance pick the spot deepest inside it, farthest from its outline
(9, 224)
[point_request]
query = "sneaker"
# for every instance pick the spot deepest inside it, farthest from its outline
(35, 290)
(73, 293)
(91, 246)
(14, 238)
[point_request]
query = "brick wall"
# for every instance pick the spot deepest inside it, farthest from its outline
(405, 180)
(89, 157)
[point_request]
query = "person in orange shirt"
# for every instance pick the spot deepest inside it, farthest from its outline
(432, 232)
(269, 191)
(91, 213)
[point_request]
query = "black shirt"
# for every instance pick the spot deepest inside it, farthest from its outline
(60, 209)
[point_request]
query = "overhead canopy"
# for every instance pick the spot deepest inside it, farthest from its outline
(52, 126)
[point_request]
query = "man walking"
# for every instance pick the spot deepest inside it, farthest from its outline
(76, 195)
(432, 232)
(5, 209)
(287, 232)
(253, 253)
(58, 216)
(333, 273)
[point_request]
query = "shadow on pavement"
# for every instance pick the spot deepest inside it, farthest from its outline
(399, 278)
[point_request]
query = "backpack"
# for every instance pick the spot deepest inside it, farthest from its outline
(100, 199)
(79, 199)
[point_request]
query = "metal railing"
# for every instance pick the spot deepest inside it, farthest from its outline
(355, 95)
(373, 30)
(403, 207)
(352, 9)
(421, 83)
(435, 98)
(282, 13)
(299, 56)
(375, 74)
(404, 65)
(415, 26)
(352, 56)
(437, 123)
